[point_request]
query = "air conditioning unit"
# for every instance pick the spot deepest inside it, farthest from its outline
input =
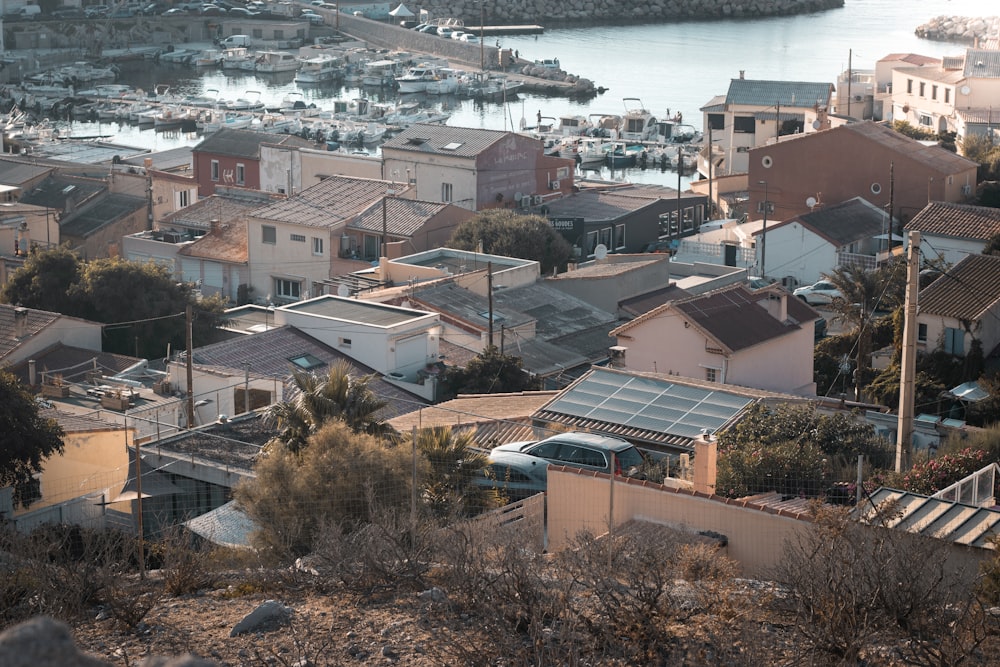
(554, 185)
(742, 149)
(536, 200)
(525, 201)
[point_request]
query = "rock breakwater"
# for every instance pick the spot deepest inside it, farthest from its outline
(964, 29)
(549, 12)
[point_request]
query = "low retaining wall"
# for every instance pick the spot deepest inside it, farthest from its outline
(549, 12)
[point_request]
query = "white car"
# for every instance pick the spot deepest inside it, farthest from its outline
(822, 292)
(457, 34)
(470, 38)
(444, 31)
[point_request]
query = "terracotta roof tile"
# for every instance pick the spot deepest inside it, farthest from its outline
(403, 217)
(966, 291)
(331, 202)
(246, 143)
(474, 409)
(219, 206)
(957, 221)
(933, 157)
(227, 242)
(467, 142)
(35, 322)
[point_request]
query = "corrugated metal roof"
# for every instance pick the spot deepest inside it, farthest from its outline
(797, 94)
(933, 517)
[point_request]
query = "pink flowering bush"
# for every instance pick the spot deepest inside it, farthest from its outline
(935, 474)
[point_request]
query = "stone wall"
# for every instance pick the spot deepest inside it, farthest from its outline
(553, 12)
(967, 29)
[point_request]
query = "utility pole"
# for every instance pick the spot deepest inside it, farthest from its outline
(190, 366)
(482, 45)
(711, 202)
(138, 501)
(763, 235)
(489, 296)
(777, 125)
(850, 53)
(904, 427)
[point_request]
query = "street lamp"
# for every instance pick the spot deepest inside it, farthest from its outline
(763, 235)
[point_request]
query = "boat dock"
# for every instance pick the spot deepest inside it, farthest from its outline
(501, 30)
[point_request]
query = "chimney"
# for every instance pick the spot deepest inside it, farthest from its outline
(20, 322)
(213, 225)
(148, 163)
(706, 456)
(617, 356)
(32, 372)
(742, 73)
(783, 307)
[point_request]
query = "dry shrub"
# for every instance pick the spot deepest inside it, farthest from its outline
(129, 600)
(187, 562)
(853, 588)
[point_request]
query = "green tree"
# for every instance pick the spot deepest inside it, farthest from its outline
(318, 400)
(454, 464)
(511, 234)
(490, 372)
(794, 449)
(992, 246)
(341, 478)
(28, 439)
(981, 149)
(863, 293)
(44, 282)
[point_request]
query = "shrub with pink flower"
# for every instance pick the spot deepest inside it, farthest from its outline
(935, 474)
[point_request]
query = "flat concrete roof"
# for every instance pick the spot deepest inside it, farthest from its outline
(353, 310)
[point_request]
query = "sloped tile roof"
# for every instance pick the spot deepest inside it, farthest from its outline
(474, 409)
(246, 143)
(227, 242)
(557, 313)
(933, 157)
(912, 58)
(269, 354)
(403, 217)
(170, 159)
(982, 64)
(733, 316)
(77, 423)
(106, 211)
(218, 206)
(36, 321)
(637, 305)
(956, 221)
(467, 142)
(793, 94)
(55, 190)
(14, 172)
(609, 204)
(845, 223)
(330, 202)
(966, 291)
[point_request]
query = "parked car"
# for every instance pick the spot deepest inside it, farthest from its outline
(581, 450)
(470, 38)
(513, 475)
(95, 11)
(175, 11)
(153, 9)
(457, 35)
(818, 293)
(314, 19)
(444, 31)
(68, 13)
(243, 12)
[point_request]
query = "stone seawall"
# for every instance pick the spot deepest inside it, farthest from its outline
(967, 29)
(554, 12)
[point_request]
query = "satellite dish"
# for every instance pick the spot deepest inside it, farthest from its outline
(817, 124)
(601, 251)
(518, 196)
(343, 291)
(965, 90)
(810, 201)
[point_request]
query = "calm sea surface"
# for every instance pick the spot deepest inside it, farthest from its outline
(678, 66)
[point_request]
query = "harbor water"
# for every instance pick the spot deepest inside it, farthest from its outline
(670, 67)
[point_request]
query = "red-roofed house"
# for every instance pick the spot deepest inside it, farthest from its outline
(232, 157)
(949, 232)
(761, 339)
(962, 307)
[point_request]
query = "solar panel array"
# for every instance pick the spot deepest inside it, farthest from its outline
(649, 404)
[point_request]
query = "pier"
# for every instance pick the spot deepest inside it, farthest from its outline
(501, 30)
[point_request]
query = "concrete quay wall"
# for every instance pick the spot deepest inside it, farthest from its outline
(553, 12)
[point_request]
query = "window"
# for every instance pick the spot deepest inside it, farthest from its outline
(287, 289)
(317, 246)
(922, 89)
(306, 361)
(712, 374)
(591, 243)
(619, 237)
(547, 450)
(344, 342)
(298, 238)
(258, 33)
(909, 86)
(215, 170)
(606, 236)
(933, 92)
(279, 34)
(926, 120)
(183, 198)
(947, 95)
(268, 234)
(744, 124)
(240, 173)
(954, 341)
(446, 192)
(922, 333)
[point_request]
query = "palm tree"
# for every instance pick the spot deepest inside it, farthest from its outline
(863, 293)
(455, 463)
(319, 399)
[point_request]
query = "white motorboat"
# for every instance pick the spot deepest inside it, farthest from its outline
(446, 83)
(638, 124)
(272, 62)
(319, 69)
(208, 58)
(415, 79)
(378, 73)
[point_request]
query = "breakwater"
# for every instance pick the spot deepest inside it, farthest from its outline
(551, 12)
(969, 29)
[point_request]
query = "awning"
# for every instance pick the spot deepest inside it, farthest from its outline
(227, 526)
(401, 11)
(154, 483)
(969, 392)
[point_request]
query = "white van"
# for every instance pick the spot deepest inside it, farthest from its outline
(28, 11)
(235, 40)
